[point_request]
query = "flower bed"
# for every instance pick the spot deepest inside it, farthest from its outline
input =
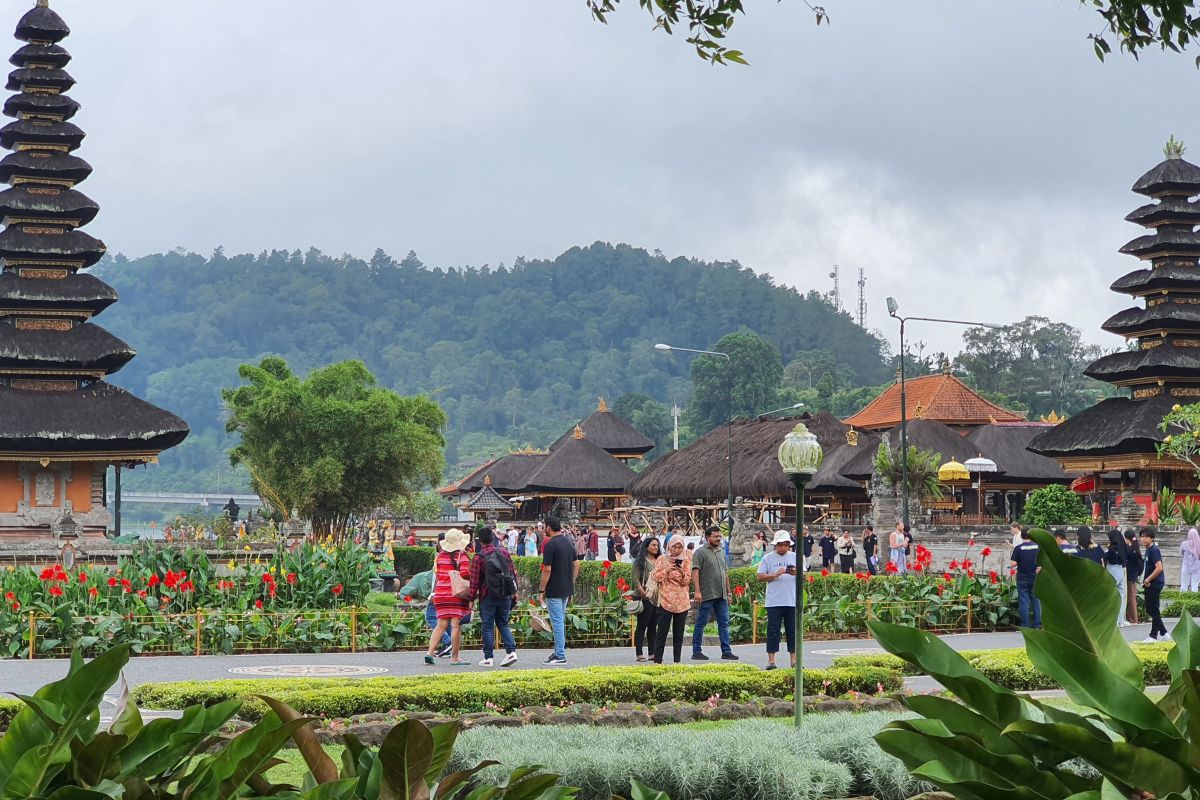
(342, 697)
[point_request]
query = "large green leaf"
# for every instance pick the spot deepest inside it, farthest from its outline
(1079, 605)
(1181, 704)
(99, 759)
(164, 745)
(405, 756)
(341, 789)
(1089, 682)
(1186, 652)
(937, 659)
(455, 780)
(322, 767)
(964, 722)
(1123, 763)
(223, 776)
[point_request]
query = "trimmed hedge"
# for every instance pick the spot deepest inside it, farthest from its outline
(1012, 668)
(1175, 602)
(472, 692)
(411, 560)
(8, 710)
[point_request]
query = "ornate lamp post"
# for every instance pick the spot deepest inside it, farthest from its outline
(800, 456)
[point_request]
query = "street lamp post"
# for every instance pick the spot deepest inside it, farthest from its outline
(729, 416)
(893, 307)
(800, 456)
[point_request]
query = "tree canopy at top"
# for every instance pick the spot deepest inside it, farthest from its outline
(333, 444)
(1136, 24)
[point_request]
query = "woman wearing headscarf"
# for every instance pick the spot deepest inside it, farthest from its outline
(1189, 554)
(1114, 561)
(673, 574)
(451, 606)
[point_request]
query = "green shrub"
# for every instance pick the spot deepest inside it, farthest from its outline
(832, 756)
(1054, 505)
(529, 568)
(1012, 667)
(1176, 602)
(340, 697)
(8, 710)
(411, 560)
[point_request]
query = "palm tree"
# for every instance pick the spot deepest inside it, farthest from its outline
(922, 470)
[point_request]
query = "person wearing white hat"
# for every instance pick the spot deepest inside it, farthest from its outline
(778, 570)
(451, 594)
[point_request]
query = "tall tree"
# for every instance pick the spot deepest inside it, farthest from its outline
(749, 379)
(1135, 24)
(650, 417)
(332, 445)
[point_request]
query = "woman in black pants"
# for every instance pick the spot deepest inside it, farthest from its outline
(645, 587)
(673, 572)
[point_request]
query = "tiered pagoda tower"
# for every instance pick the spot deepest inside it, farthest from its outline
(1163, 367)
(61, 424)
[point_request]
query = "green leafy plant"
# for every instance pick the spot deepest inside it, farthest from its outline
(1189, 510)
(1054, 505)
(990, 742)
(1165, 504)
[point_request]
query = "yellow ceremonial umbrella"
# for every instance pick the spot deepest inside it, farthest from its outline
(953, 471)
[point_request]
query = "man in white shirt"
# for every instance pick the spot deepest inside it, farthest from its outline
(510, 540)
(778, 570)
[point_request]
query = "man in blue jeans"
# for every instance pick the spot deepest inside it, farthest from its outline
(559, 570)
(710, 579)
(494, 584)
(1025, 561)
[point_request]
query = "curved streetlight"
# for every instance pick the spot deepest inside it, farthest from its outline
(729, 415)
(893, 308)
(800, 457)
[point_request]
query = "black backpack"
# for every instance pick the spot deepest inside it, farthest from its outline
(498, 578)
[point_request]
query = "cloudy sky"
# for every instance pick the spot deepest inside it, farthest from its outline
(974, 158)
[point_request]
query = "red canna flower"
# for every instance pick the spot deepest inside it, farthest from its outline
(258, 604)
(947, 576)
(970, 573)
(266, 578)
(291, 577)
(954, 564)
(940, 589)
(824, 573)
(56, 591)
(811, 579)
(141, 593)
(16, 606)
(83, 577)
(985, 552)
(337, 590)
(408, 598)
(606, 564)
(739, 591)
(153, 581)
(93, 591)
(993, 577)
(9, 596)
(112, 582)
(603, 573)
(890, 569)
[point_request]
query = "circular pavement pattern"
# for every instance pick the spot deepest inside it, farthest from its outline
(851, 651)
(308, 671)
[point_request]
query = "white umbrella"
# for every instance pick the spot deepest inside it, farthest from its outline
(978, 466)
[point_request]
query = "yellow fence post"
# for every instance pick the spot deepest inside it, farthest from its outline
(869, 603)
(353, 629)
(32, 635)
(754, 622)
(633, 630)
(969, 605)
(199, 633)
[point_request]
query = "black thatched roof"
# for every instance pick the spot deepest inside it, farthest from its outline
(41, 24)
(53, 54)
(580, 466)
(924, 434)
(829, 478)
(22, 80)
(486, 499)
(1168, 276)
(1168, 211)
(612, 433)
(62, 204)
(58, 104)
(698, 471)
(78, 290)
(1164, 242)
(100, 418)
(1008, 445)
(1165, 361)
(73, 245)
(1136, 320)
(85, 346)
(1172, 176)
(1114, 426)
(508, 473)
(29, 131)
(34, 164)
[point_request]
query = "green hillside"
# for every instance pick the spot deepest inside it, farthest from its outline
(514, 354)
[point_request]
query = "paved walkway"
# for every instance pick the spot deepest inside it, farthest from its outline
(25, 677)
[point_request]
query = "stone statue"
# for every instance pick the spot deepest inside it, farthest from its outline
(741, 539)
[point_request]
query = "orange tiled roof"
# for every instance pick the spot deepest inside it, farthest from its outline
(940, 397)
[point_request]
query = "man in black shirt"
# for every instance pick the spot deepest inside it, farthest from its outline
(559, 570)
(809, 542)
(1153, 581)
(828, 549)
(1024, 560)
(870, 543)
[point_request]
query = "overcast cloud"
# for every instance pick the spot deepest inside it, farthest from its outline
(974, 158)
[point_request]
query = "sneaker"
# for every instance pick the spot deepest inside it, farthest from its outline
(770, 667)
(1123, 624)
(699, 657)
(1149, 640)
(430, 660)
(509, 659)
(729, 657)
(460, 663)
(485, 662)
(1166, 637)
(444, 652)
(555, 660)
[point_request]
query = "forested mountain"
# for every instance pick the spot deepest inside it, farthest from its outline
(513, 354)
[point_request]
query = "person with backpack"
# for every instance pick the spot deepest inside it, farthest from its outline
(494, 585)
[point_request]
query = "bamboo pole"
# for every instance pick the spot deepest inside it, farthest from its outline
(32, 635)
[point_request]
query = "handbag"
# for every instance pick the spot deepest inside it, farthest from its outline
(634, 606)
(459, 586)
